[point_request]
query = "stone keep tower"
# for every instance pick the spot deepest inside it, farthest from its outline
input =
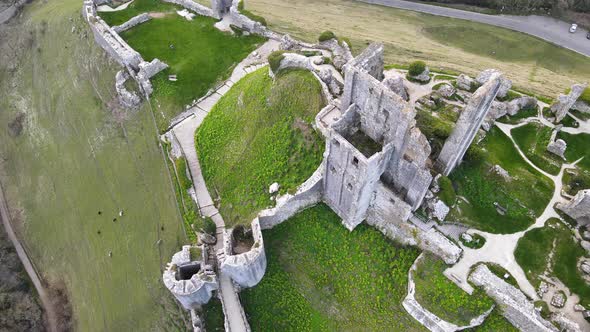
(468, 124)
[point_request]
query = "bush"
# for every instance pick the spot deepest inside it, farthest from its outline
(416, 68)
(274, 60)
(343, 40)
(241, 5)
(326, 60)
(447, 192)
(209, 226)
(326, 35)
(585, 97)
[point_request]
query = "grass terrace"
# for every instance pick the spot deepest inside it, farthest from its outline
(259, 133)
(321, 277)
(557, 240)
(533, 139)
(523, 198)
(442, 297)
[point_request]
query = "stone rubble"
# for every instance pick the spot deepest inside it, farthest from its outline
(126, 98)
(423, 77)
(446, 90)
(578, 208)
(487, 74)
(396, 84)
(498, 170)
(341, 54)
(558, 300)
(465, 82)
(581, 106)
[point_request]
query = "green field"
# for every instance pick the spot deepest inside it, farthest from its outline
(77, 162)
(524, 197)
(537, 244)
(533, 139)
(259, 133)
(321, 277)
(439, 295)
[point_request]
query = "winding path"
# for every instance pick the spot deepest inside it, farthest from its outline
(24, 258)
(184, 132)
(546, 28)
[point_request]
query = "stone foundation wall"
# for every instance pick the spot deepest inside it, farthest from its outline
(516, 307)
(308, 194)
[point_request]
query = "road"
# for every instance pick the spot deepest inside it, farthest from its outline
(546, 28)
(22, 255)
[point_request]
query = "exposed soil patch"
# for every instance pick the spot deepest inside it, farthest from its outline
(15, 127)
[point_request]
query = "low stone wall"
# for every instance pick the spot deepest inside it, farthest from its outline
(141, 18)
(308, 194)
(427, 318)
(389, 214)
(246, 269)
(516, 307)
(245, 23)
(127, 98)
(109, 40)
(195, 7)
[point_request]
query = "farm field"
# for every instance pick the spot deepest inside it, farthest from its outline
(71, 160)
(450, 44)
(523, 198)
(322, 277)
(259, 133)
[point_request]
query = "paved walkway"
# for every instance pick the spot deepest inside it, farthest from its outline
(184, 132)
(50, 313)
(547, 28)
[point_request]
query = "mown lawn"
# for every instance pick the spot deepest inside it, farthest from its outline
(535, 247)
(78, 161)
(259, 133)
(321, 277)
(198, 54)
(442, 297)
(533, 139)
(524, 197)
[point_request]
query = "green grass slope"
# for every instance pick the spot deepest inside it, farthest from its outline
(259, 133)
(321, 277)
(75, 165)
(533, 139)
(524, 197)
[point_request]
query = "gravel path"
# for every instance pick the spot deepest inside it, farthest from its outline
(547, 28)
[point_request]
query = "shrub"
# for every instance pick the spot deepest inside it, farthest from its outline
(585, 97)
(447, 192)
(343, 40)
(241, 5)
(475, 153)
(274, 60)
(416, 68)
(209, 226)
(326, 60)
(326, 35)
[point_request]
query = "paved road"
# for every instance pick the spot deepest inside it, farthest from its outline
(22, 255)
(547, 28)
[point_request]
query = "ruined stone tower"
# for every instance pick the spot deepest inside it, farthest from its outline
(468, 124)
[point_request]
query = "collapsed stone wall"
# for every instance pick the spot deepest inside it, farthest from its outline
(516, 307)
(141, 18)
(308, 194)
(127, 98)
(389, 214)
(578, 208)
(467, 126)
(195, 7)
(246, 269)
(565, 102)
(371, 61)
(109, 40)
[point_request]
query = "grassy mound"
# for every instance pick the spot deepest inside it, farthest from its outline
(533, 139)
(524, 197)
(322, 277)
(442, 297)
(535, 247)
(260, 133)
